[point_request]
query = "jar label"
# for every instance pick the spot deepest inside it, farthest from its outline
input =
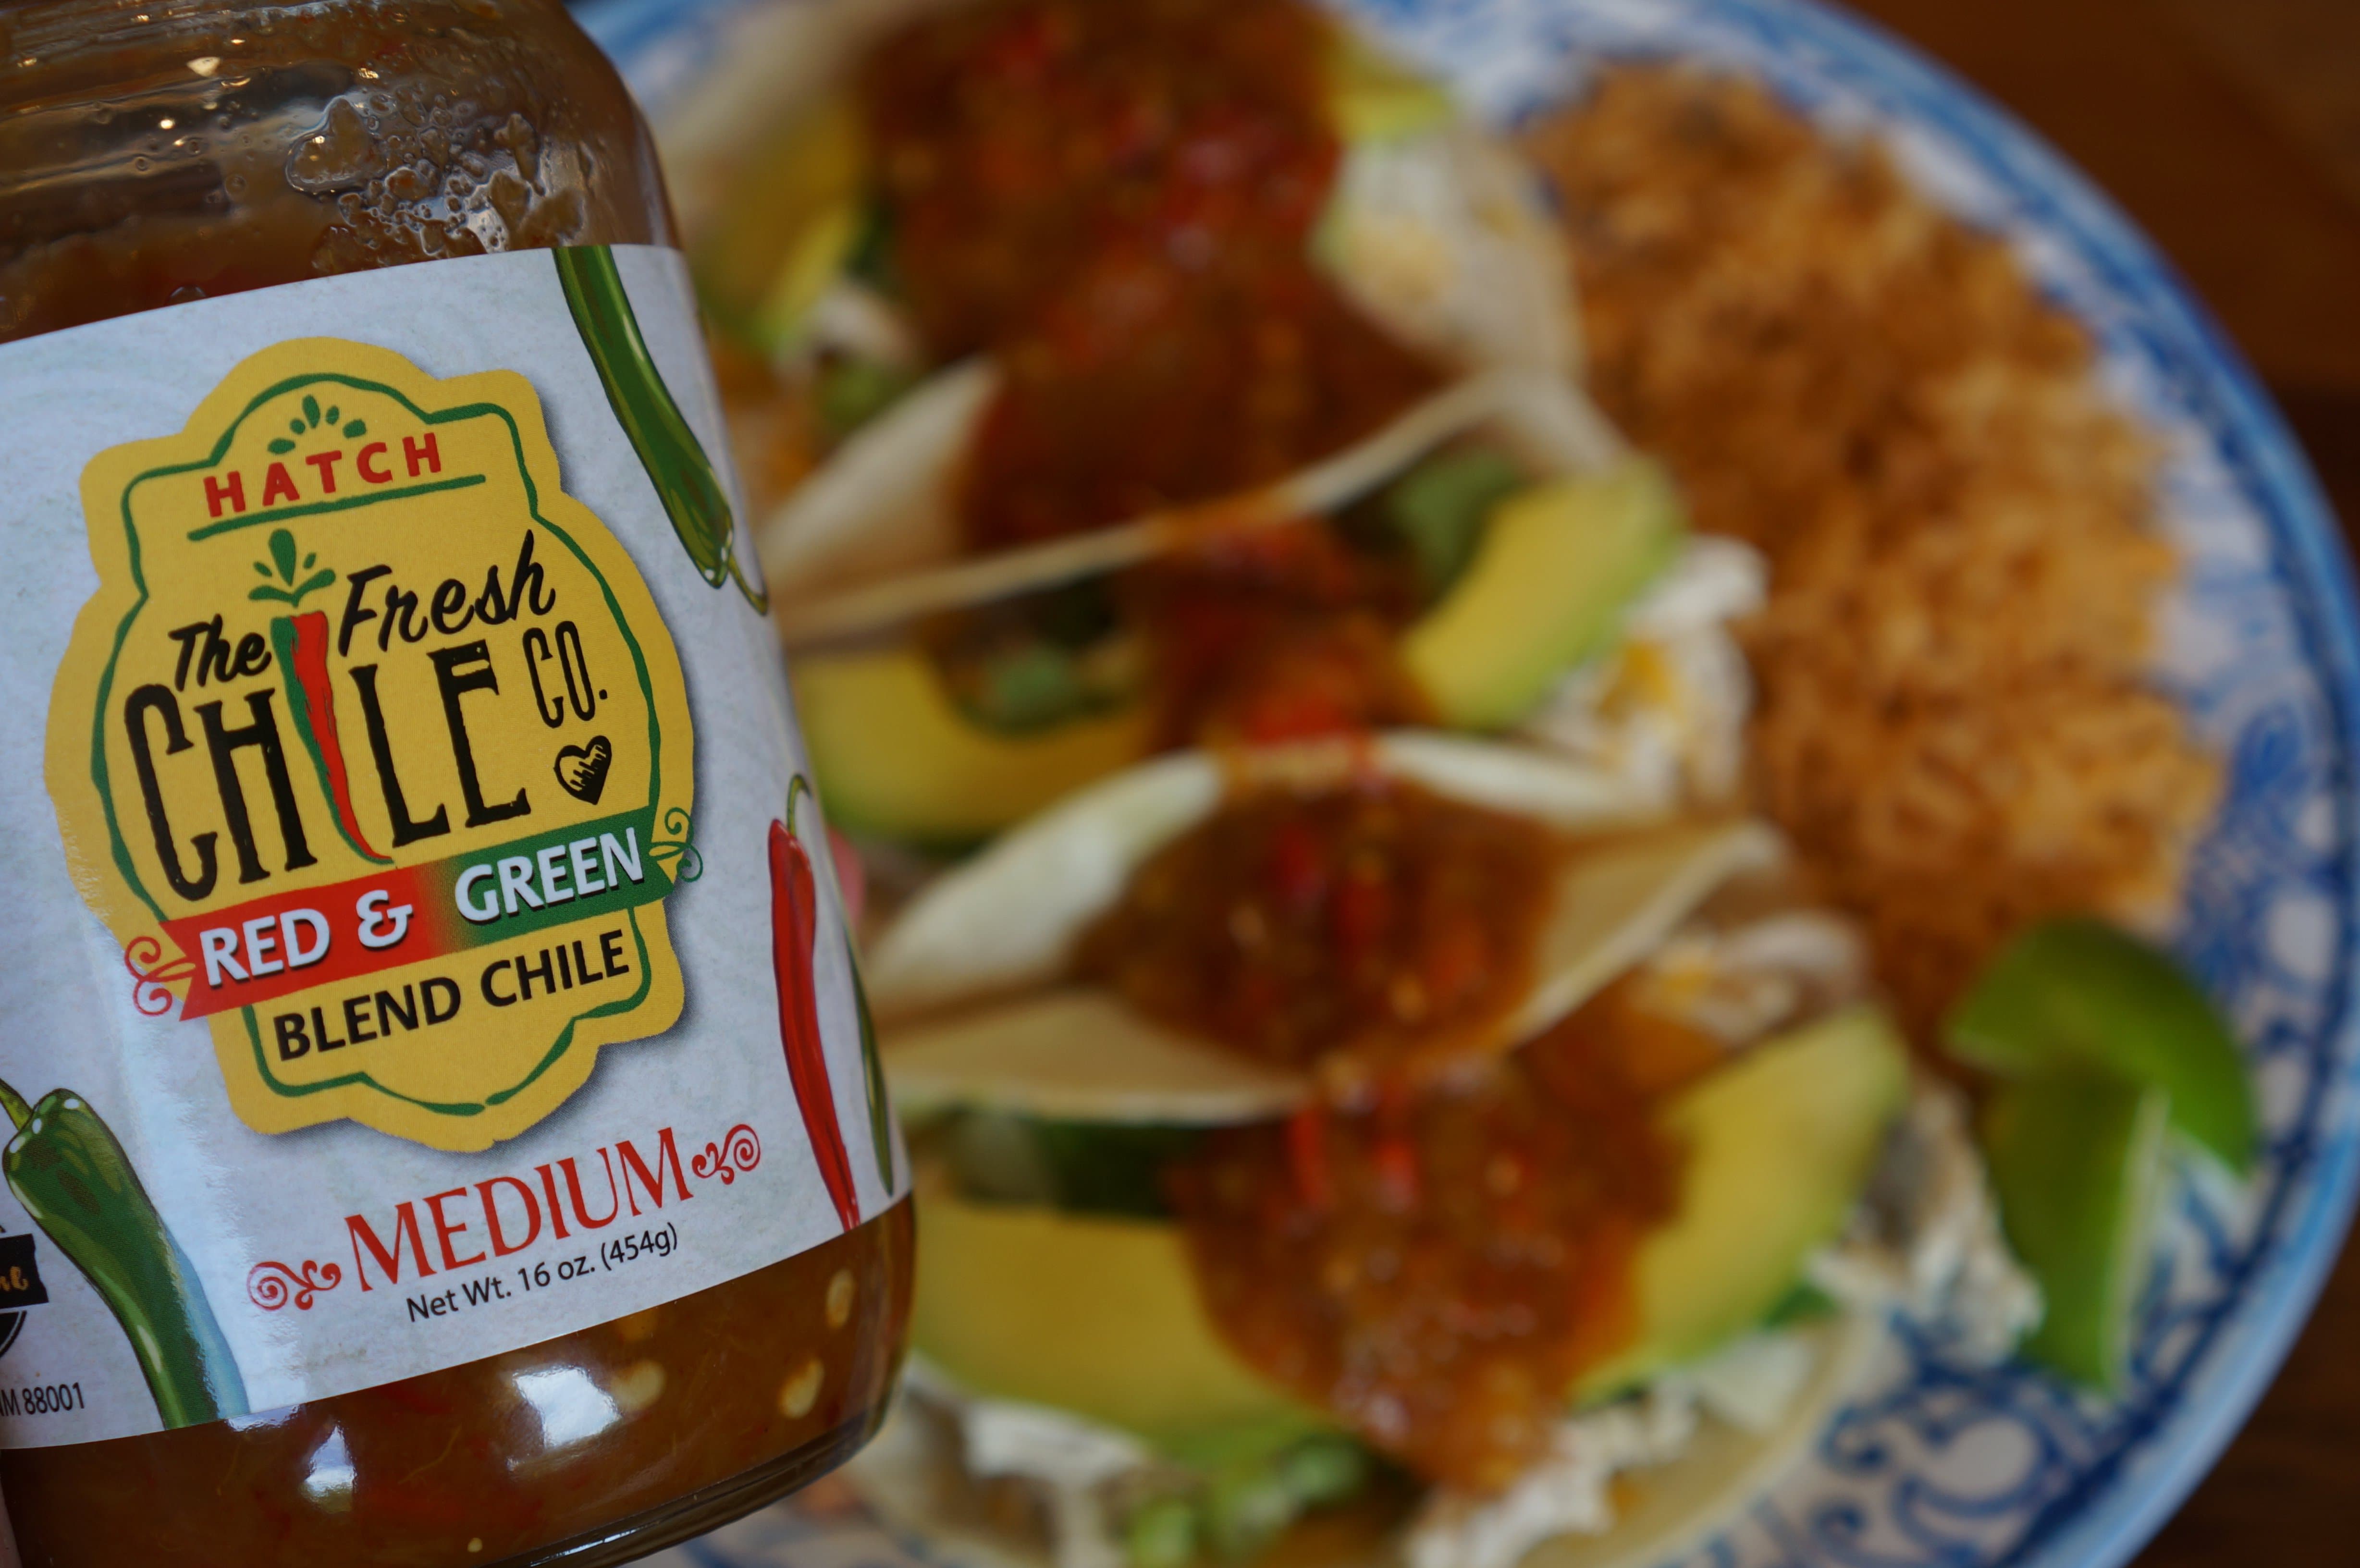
(375, 765)
(431, 896)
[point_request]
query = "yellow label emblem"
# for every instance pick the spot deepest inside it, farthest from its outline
(372, 749)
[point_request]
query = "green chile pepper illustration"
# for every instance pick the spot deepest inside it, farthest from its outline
(684, 478)
(77, 1182)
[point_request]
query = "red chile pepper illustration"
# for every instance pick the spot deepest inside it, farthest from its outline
(300, 642)
(794, 937)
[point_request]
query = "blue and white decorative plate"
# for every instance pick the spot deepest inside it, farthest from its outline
(1940, 1464)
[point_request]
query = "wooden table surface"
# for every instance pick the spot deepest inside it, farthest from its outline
(2230, 129)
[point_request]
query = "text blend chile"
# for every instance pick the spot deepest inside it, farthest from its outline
(412, 1182)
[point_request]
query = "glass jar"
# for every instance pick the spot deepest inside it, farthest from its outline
(153, 154)
(759, 1387)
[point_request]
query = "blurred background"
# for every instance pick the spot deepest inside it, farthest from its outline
(2230, 130)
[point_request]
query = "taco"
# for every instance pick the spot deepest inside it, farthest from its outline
(1411, 1145)
(1174, 374)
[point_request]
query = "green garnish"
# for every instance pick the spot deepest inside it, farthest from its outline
(851, 392)
(1438, 509)
(1081, 1167)
(1245, 1504)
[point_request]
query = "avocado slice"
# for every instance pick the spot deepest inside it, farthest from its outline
(1375, 98)
(777, 249)
(1098, 1314)
(1779, 1146)
(1558, 565)
(2076, 1159)
(895, 756)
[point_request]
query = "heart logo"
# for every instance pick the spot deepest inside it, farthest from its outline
(582, 769)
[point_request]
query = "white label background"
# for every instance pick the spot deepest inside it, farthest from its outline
(233, 1197)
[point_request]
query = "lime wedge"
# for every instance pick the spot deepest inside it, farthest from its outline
(2081, 991)
(2076, 1158)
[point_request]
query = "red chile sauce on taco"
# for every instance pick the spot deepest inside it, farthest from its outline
(1117, 203)
(1433, 1263)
